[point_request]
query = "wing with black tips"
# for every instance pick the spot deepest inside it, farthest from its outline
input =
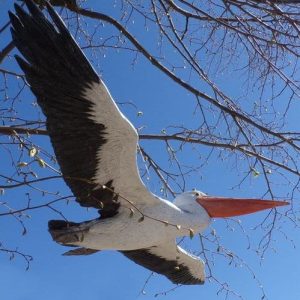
(171, 261)
(94, 143)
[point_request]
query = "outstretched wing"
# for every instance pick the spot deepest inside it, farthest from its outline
(171, 261)
(94, 143)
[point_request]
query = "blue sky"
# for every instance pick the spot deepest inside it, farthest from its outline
(109, 275)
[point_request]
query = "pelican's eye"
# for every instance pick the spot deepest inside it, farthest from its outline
(197, 194)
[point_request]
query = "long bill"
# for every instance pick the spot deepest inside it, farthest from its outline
(218, 207)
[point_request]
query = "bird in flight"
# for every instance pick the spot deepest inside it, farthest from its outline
(96, 147)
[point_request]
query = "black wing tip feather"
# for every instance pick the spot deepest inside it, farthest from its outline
(58, 73)
(34, 33)
(15, 21)
(22, 63)
(18, 8)
(33, 11)
(21, 13)
(56, 18)
(12, 17)
(33, 8)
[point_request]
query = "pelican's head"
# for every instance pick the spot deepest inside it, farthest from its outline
(197, 216)
(188, 200)
(220, 207)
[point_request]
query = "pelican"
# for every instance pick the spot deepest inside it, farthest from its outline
(96, 147)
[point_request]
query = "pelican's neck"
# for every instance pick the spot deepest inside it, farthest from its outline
(194, 216)
(188, 215)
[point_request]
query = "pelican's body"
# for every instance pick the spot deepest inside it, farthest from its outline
(132, 230)
(95, 146)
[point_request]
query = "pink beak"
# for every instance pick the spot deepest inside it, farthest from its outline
(218, 207)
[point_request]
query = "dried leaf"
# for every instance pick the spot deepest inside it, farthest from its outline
(230, 254)
(192, 233)
(22, 164)
(41, 162)
(131, 212)
(141, 219)
(255, 173)
(34, 174)
(32, 152)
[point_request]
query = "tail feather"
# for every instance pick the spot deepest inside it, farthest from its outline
(60, 224)
(80, 251)
(66, 233)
